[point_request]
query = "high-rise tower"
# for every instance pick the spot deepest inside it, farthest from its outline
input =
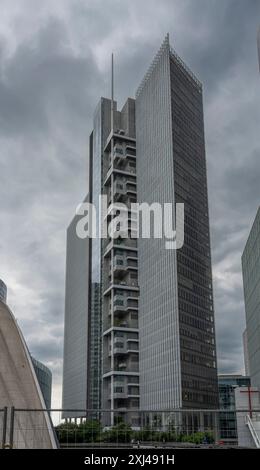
(176, 315)
(152, 150)
(251, 280)
(114, 261)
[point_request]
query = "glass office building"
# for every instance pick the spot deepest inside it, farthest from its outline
(251, 280)
(3, 291)
(227, 384)
(76, 328)
(176, 314)
(44, 377)
(152, 151)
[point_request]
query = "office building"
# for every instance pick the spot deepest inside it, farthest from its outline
(227, 384)
(3, 291)
(176, 314)
(251, 280)
(114, 261)
(246, 358)
(76, 330)
(44, 377)
(101, 313)
(151, 151)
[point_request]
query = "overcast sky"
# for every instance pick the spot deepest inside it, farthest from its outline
(54, 66)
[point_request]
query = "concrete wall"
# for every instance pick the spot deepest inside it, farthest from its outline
(19, 388)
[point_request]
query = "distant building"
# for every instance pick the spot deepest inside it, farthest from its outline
(76, 331)
(44, 377)
(251, 280)
(227, 385)
(246, 359)
(3, 291)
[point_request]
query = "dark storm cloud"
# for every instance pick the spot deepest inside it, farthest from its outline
(54, 66)
(221, 31)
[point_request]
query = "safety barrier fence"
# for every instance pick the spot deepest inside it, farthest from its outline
(27, 428)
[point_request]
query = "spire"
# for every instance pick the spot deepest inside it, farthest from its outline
(258, 47)
(112, 92)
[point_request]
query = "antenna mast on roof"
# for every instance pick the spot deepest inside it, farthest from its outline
(112, 93)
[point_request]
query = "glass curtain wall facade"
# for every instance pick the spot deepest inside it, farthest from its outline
(251, 280)
(76, 328)
(176, 313)
(3, 291)
(227, 385)
(44, 377)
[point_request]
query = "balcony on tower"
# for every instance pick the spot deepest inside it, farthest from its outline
(130, 151)
(120, 265)
(120, 191)
(121, 365)
(120, 303)
(119, 346)
(119, 154)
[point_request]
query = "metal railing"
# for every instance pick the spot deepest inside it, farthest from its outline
(3, 427)
(121, 427)
(255, 436)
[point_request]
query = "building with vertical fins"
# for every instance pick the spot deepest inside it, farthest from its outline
(178, 366)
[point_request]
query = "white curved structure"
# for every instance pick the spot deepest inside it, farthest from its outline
(19, 388)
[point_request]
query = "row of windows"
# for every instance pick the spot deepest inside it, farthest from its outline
(196, 311)
(195, 277)
(191, 194)
(200, 398)
(188, 100)
(190, 155)
(180, 80)
(198, 184)
(196, 323)
(202, 385)
(187, 124)
(189, 109)
(196, 264)
(206, 350)
(199, 360)
(185, 166)
(195, 299)
(199, 244)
